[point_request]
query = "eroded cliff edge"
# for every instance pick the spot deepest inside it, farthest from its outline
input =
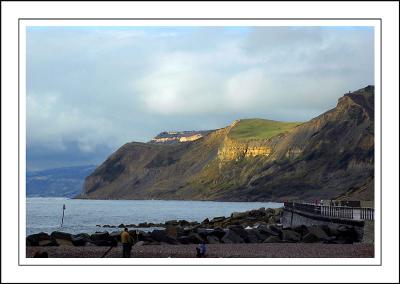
(330, 156)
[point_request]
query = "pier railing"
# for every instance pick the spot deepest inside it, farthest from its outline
(342, 212)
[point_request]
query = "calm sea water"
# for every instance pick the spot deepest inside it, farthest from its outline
(44, 214)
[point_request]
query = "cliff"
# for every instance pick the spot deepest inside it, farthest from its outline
(330, 156)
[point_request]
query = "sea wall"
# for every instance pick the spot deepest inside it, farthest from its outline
(292, 218)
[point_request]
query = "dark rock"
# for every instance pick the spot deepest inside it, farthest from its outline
(174, 231)
(212, 239)
(272, 239)
(34, 239)
(317, 232)
(103, 239)
(144, 236)
(183, 223)
(347, 235)
(330, 240)
(161, 236)
(195, 238)
(98, 236)
(80, 239)
(205, 221)
(231, 237)
(266, 232)
(116, 235)
(289, 236)
(326, 229)
(203, 233)
(217, 219)
(134, 234)
(275, 228)
(302, 229)
(218, 232)
(191, 238)
(121, 226)
(242, 233)
(238, 215)
(61, 236)
(253, 236)
(310, 238)
(48, 243)
(257, 213)
(185, 240)
(260, 223)
(171, 223)
(332, 230)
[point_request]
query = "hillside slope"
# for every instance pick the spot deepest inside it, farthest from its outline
(329, 156)
(58, 182)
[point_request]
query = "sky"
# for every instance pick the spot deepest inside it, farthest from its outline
(92, 89)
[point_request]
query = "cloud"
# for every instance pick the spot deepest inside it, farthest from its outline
(91, 86)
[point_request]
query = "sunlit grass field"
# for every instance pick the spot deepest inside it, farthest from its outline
(255, 129)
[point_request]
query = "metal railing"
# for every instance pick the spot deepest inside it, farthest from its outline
(342, 212)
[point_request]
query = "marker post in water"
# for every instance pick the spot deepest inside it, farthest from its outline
(62, 220)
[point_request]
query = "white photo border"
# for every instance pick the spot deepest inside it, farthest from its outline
(24, 23)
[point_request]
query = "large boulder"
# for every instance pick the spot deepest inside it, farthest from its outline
(103, 239)
(238, 215)
(171, 223)
(195, 238)
(184, 240)
(240, 231)
(212, 239)
(347, 235)
(162, 237)
(183, 223)
(99, 236)
(301, 229)
(191, 238)
(143, 236)
(315, 234)
(62, 238)
(219, 232)
(275, 228)
(272, 239)
(289, 236)
(231, 237)
(257, 214)
(203, 232)
(61, 235)
(80, 239)
(253, 236)
(116, 235)
(34, 239)
(174, 231)
(265, 232)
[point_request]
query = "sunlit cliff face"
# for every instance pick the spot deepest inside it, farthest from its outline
(233, 150)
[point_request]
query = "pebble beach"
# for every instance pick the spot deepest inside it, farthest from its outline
(262, 250)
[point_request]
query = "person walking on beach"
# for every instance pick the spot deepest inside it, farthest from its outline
(126, 241)
(201, 250)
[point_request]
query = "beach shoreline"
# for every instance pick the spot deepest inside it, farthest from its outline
(258, 250)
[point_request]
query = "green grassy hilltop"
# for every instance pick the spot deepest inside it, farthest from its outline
(254, 129)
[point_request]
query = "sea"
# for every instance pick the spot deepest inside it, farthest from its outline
(82, 216)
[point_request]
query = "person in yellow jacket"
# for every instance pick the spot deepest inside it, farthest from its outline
(127, 242)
